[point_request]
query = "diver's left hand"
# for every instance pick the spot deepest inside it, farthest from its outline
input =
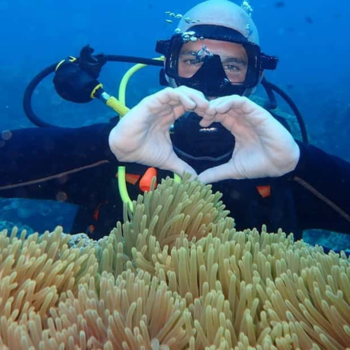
(263, 148)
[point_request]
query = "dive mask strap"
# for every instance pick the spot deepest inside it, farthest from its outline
(268, 62)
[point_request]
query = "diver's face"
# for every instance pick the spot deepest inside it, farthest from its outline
(233, 56)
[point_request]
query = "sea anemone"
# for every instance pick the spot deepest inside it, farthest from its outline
(175, 275)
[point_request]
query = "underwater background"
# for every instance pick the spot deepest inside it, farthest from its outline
(311, 39)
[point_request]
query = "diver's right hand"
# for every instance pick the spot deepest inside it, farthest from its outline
(142, 135)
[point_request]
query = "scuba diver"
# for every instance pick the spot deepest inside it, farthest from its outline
(203, 124)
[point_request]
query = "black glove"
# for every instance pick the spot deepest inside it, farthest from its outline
(75, 79)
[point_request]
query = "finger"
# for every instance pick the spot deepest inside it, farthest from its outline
(190, 99)
(219, 173)
(171, 96)
(241, 103)
(229, 103)
(204, 123)
(211, 114)
(208, 115)
(197, 96)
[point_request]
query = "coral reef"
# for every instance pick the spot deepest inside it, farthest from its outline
(175, 275)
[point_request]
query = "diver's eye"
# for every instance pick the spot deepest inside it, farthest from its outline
(232, 68)
(192, 62)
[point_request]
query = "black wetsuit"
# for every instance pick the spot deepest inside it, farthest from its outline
(76, 165)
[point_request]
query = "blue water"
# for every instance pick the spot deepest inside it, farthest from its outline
(311, 39)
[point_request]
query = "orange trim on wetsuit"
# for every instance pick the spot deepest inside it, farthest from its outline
(264, 191)
(146, 180)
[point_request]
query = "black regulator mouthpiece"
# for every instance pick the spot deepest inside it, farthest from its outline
(75, 79)
(89, 63)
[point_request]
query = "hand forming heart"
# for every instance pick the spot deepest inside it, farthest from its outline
(263, 147)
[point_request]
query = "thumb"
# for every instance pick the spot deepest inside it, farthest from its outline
(218, 173)
(179, 167)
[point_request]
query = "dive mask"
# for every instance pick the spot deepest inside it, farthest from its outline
(190, 61)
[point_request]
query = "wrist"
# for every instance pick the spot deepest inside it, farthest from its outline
(301, 162)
